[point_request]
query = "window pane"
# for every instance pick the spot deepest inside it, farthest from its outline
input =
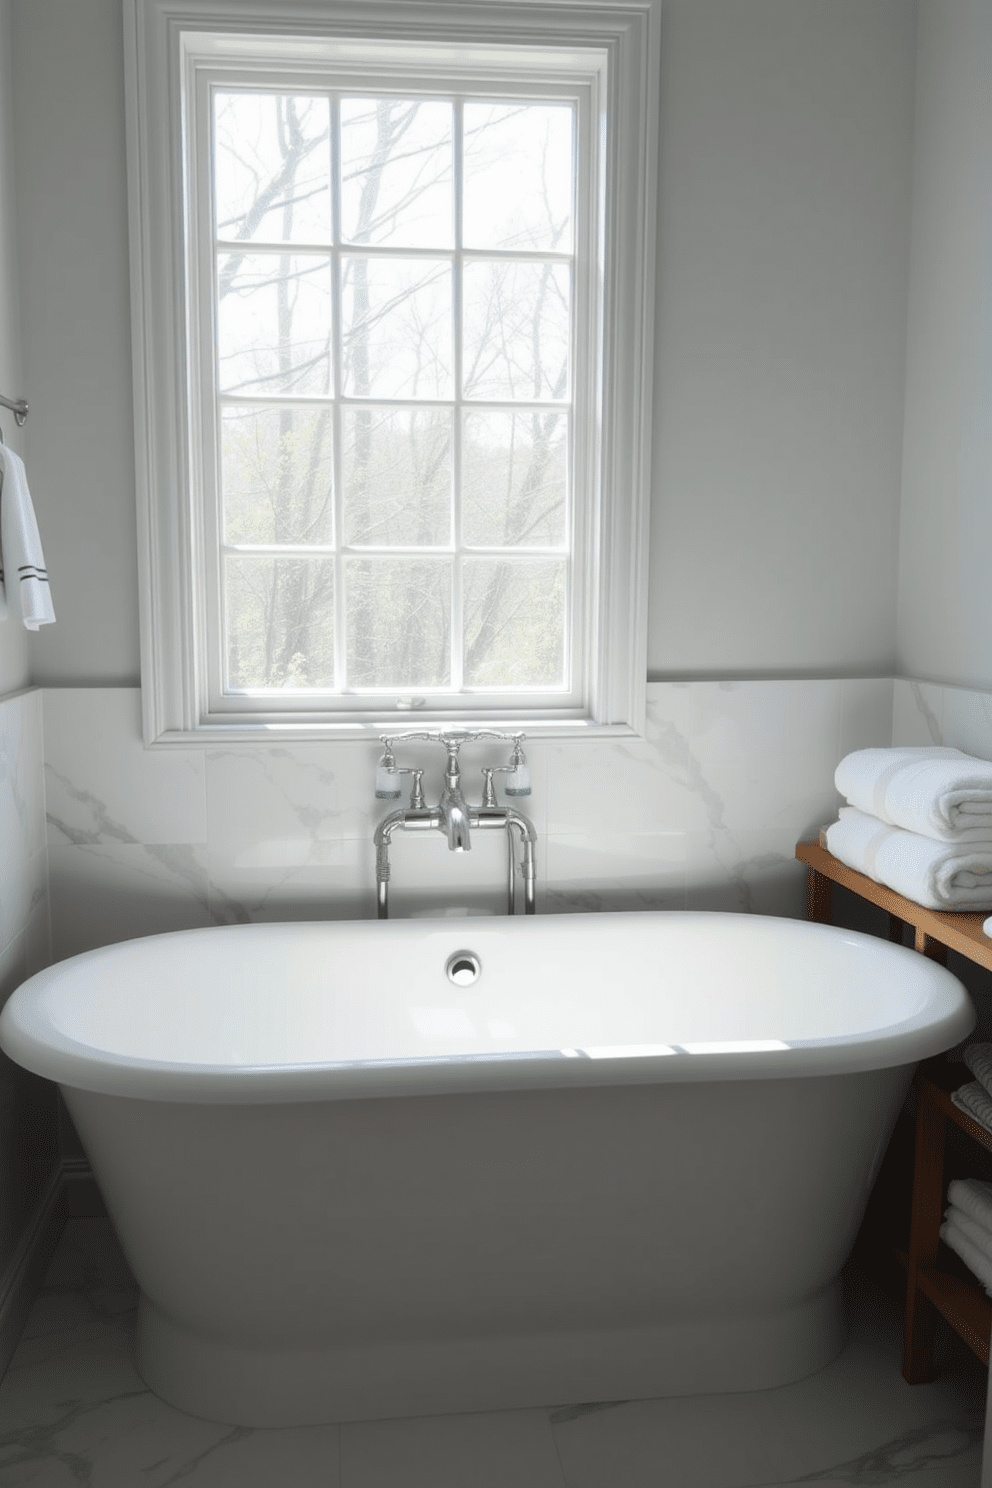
(517, 329)
(274, 323)
(518, 176)
(399, 622)
(280, 622)
(514, 622)
(277, 475)
(272, 167)
(396, 172)
(397, 328)
(397, 476)
(514, 478)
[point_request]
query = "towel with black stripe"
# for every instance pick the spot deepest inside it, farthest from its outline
(22, 562)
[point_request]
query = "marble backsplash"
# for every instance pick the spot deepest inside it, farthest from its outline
(704, 812)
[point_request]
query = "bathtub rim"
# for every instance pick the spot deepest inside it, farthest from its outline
(947, 1017)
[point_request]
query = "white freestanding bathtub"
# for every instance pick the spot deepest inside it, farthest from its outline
(629, 1159)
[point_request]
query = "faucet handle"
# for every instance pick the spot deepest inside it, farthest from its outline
(417, 802)
(488, 789)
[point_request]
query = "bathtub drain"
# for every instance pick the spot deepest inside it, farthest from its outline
(463, 968)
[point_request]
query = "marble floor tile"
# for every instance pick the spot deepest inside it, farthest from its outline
(859, 1411)
(73, 1410)
(696, 1441)
(493, 1450)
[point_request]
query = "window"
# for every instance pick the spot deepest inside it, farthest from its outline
(391, 291)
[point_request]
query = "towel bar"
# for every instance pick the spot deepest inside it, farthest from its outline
(18, 407)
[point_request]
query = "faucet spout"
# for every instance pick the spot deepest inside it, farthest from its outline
(452, 806)
(454, 820)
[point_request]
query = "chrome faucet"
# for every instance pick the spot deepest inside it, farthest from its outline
(452, 805)
(453, 815)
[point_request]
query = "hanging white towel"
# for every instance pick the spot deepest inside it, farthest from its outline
(950, 876)
(938, 792)
(974, 1198)
(22, 563)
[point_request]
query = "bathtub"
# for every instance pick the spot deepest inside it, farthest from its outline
(618, 1156)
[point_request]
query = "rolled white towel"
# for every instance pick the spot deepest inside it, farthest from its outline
(973, 1198)
(979, 1236)
(938, 792)
(939, 875)
(978, 1058)
(974, 1101)
(977, 1262)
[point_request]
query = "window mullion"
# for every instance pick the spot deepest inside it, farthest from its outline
(457, 595)
(337, 359)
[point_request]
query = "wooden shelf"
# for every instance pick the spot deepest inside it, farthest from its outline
(930, 1291)
(968, 1312)
(942, 1079)
(958, 932)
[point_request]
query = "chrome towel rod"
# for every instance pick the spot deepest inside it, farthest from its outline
(18, 408)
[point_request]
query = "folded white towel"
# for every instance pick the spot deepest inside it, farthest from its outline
(974, 1198)
(977, 1262)
(935, 791)
(979, 1236)
(939, 875)
(22, 563)
(974, 1101)
(978, 1058)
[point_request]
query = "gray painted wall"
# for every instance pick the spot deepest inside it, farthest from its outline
(72, 235)
(785, 207)
(945, 590)
(786, 154)
(13, 637)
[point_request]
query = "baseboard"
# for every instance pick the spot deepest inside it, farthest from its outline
(71, 1193)
(26, 1268)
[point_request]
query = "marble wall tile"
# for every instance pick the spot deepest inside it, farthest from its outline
(917, 712)
(745, 872)
(865, 714)
(593, 871)
(628, 784)
(13, 966)
(767, 752)
(107, 892)
(22, 812)
(38, 933)
(966, 721)
(104, 786)
(23, 891)
(288, 829)
(308, 794)
(275, 880)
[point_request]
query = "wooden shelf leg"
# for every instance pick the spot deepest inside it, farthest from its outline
(930, 947)
(928, 1195)
(818, 895)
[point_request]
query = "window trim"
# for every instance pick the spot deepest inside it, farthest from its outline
(616, 35)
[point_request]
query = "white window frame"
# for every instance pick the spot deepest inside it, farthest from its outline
(609, 48)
